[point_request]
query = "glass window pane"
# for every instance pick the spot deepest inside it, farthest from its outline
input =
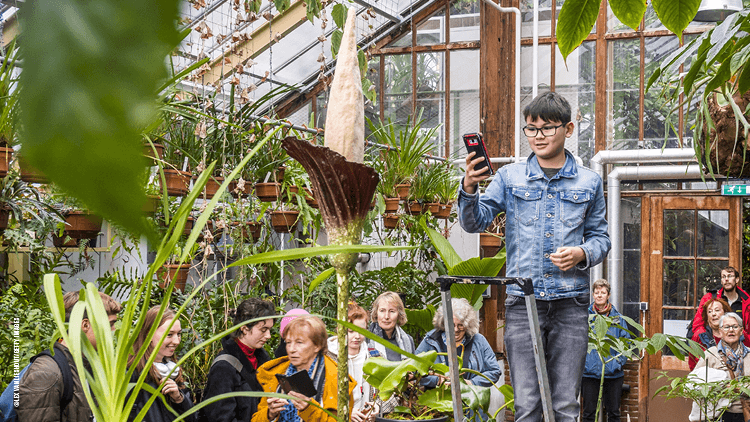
(658, 122)
(431, 93)
(527, 18)
(397, 98)
(650, 19)
(543, 80)
(679, 236)
(464, 25)
(464, 98)
(623, 90)
(713, 233)
(576, 83)
(679, 288)
(709, 276)
(432, 30)
(373, 74)
(614, 24)
(404, 41)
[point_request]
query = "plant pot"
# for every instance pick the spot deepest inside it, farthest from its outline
(178, 182)
(310, 198)
(4, 217)
(289, 194)
(250, 230)
(440, 419)
(246, 190)
(188, 226)
(176, 272)
(415, 208)
(391, 204)
(280, 173)
(284, 221)
(212, 186)
(268, 192)
(148, 152)
(6, 153)
(402, 190)
(490, 244)
(30, 174)
(443, 211)
(79, 225)
(390, 221)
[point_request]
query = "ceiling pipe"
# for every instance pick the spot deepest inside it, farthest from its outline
(517, 102)
(535, 51)
(602, 158)
(636, 174)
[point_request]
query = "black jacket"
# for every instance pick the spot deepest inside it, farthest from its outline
(223, 378)
(158, 411)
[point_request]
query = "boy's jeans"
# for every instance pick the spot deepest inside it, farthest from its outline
(564, 327)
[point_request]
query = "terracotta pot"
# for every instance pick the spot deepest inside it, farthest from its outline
(390, 221)
(4, 217)
(6, 153)
(391, 204)
(30, 174)
(212, 186)
(268, 192)
(403, 190)
(310, 198)
(280, 174)
(288, 195)
(176, 272)
(149, 152)
(383, 419)
(188, 226)
(178, 182)
(252, 230)
(415, 208)
(79, 225)
(247, 189)
(490, 244)
(284, 221)
(443, 211)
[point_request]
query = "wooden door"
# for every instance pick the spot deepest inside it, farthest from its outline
(687, 240)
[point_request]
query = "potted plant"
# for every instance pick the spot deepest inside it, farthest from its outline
(423, 192)
(446, 191)
(9, 94)
(79, 225)
(175, 271)
(382, 163)
(266, 165)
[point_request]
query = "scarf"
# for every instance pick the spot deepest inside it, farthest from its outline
(399, 334)
(316, 373)
(605, 310)
(734, 358)
(249, 353)
(164, 369)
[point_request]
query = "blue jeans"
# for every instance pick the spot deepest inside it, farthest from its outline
(564, 328)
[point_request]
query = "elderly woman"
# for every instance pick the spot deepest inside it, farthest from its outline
(613, 372)
(476, 351)
(388, 316)
(305, 339)
(729, 355)
(235, 367)
(711, 312)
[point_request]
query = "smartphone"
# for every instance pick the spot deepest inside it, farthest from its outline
(475, 143)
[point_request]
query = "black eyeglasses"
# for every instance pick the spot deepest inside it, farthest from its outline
(547, 131)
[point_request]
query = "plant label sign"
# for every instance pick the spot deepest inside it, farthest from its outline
(735, 190)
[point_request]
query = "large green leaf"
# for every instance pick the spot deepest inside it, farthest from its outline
(439, 399)
(475, 397)
(386, 375)
(421, 318)
(324, 275)
(675, 15)
(91, 70)
(629, 12)
(483, 267)
(299, 253)
(574, 24)
(443, 247)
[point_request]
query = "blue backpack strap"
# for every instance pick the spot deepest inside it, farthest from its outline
(67, 376)
(373, 352)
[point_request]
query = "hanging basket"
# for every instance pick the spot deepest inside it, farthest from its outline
(310, 198)
(403, 190)
(246, 190)
(4, 218)
(178, 182)
(30, 174)
(268, 192)
(391, 204)
(284, 221)
(6, 153)
(79, 225)
(490, 244)
(148, 152)
(390, 221)
(212, 186)
(176, 272)
(416, 208)
(382, 419)
(442, 211)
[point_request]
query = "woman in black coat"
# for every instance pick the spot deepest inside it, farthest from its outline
(234, 369)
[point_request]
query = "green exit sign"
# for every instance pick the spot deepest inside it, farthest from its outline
(737, 190)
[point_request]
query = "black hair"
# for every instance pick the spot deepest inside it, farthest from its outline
(250, 309)
(550, 107)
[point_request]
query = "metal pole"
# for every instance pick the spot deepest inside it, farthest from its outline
(450, 335)
(539, 357)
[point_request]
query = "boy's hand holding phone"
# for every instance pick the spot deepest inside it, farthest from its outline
(473, 177)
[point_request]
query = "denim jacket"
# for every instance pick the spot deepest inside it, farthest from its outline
(542, 215)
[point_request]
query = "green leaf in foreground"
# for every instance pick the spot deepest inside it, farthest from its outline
(629, 12)
(91, 70)
(574, 24)
(676, 15)
(299, 253)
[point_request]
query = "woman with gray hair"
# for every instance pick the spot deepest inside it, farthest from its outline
(729, 355)
(476, 352)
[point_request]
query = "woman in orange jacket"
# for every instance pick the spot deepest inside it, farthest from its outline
(305, 339)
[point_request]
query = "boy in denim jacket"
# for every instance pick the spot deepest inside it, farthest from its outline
(555, 230)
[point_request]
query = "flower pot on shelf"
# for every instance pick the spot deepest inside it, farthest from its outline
(403, 190)
(178, 182)
(79, 225)
(310, 198)
(284, 221)
(391, 204)
(30, 174)
(6, 153)
(390, 221)
(268, 192)
(178, 273)
(212, 186)
(490, 244)
(443, 211)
